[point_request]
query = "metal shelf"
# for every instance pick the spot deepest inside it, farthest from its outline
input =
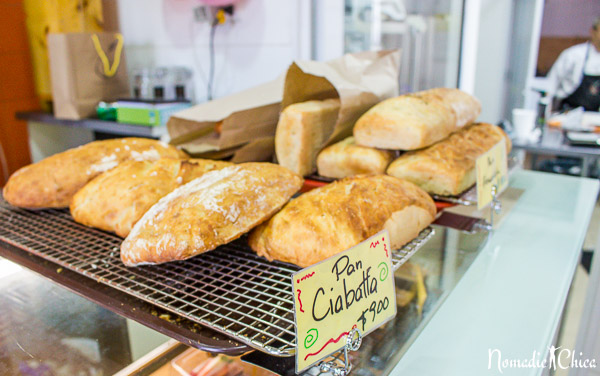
(112, 127)
(230, 290)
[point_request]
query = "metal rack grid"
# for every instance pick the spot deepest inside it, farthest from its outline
(467, 198)
(230, 289)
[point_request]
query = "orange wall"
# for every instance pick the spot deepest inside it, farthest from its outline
(16, 85)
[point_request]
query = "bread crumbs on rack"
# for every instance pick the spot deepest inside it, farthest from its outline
(165, 316)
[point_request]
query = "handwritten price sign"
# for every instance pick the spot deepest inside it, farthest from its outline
(492, 169)
(353, 289)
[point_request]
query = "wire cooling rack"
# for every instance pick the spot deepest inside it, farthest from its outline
(469, 197)
(230, 289)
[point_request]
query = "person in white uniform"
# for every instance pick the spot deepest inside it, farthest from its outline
(575, 76)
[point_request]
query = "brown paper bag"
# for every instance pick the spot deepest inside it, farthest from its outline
(359, 80)
(86, 68)
(241, 117)
(258, 150)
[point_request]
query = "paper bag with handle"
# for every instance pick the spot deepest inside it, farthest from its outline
(86, 68)
(322, 101)
(219, 128)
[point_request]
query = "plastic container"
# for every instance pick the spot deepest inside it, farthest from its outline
(141, 84)
(183, 84)
(523, 123)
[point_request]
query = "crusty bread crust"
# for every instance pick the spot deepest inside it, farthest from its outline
(212, 210)
(302, 131)
(414, 121)
(448, 167)
(335, 217)
(52, 182)
(345, 158)
(117, 199)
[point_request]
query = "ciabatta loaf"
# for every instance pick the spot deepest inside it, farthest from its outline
(448, 167)
(302, 131)
(117, 199)
(414, 121)
(335, 217)
(209, 211)
(52, 182)
(345, 158)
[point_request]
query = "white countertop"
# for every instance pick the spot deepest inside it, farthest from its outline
(512, 296)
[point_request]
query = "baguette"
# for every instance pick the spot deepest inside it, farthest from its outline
(212, 210)
(117, 199)
(302, 131)
(414, 121)
(345, 158)
(335, 217)
(52, 182)
(448, 167)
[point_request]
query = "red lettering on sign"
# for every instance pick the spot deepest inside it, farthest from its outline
(305, 277)
(331, 340)
(300, 301)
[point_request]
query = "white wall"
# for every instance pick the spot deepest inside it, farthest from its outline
(328, 29)
(523, 55)
(569, 18)
(493, 47)
(265, 37)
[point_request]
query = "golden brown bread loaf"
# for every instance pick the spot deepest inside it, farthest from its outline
(302, 131)
(335, 217)
(414, 121)
(52, 182)
(448, 167)
(345, 158)
(117, 199)
(209, 211)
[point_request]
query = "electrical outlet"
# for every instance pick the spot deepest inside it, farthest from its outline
(203, 13)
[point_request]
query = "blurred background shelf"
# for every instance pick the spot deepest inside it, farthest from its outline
(97, 125)
(48, 135)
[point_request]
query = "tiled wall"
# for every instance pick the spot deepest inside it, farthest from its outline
(16, 86)
(264, 38)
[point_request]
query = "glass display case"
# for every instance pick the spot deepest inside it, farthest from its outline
(459, 295)
(96, 341)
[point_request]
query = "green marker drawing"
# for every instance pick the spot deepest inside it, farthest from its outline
(383, 271)
(310, 339)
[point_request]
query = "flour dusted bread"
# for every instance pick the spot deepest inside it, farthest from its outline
(335, 217)
(302, 131)
(448, 167)
(117, 199)
(414, 121)
(345, 158)
(52, 182)
(209, 211)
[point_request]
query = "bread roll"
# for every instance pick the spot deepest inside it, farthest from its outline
(209, 211)
(302, 131)
(117, 199)
(448, 167)
(414, 121)
(52, 182)
(335, 217)
(345, 158)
